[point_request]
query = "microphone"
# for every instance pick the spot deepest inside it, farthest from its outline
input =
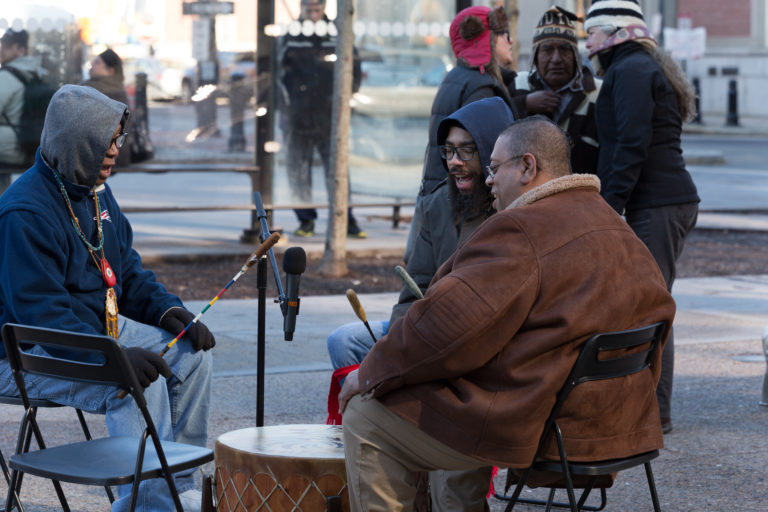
(294, 264)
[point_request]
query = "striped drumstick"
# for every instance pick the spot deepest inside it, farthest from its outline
(260, 251)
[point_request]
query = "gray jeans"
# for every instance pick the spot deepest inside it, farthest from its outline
(663, 230)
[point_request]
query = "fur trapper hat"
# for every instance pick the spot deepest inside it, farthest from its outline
(470, 34)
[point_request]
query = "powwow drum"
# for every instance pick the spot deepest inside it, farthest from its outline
(280, 468)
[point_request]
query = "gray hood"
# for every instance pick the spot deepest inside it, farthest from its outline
(484, 119)
(78, 129)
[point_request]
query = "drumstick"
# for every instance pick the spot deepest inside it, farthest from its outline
(260, 251)
(359, 311)
(409, 282)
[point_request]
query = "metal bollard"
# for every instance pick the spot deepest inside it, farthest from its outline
(238, 97)
(764, 397)
(697, 89)
(732, 118)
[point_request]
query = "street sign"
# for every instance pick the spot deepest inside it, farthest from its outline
(201, 39)
(208, 8)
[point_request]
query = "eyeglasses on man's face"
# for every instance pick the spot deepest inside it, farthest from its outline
(119, 141)
(465, 153)
(494, 168)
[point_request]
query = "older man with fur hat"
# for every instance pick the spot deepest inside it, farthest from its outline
(561, 87)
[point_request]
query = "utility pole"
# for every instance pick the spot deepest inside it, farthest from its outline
(335, 258)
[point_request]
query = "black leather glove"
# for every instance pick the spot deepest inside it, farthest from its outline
(147, 365)
(177, 318)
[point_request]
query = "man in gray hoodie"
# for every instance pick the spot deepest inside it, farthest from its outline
(68, 263)
(13, 54)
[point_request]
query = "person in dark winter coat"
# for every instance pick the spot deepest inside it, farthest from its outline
(68, 263)
(481, 43)
(306, 81)
(643, 102)
(561, 87)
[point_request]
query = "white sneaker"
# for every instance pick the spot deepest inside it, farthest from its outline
(191, 500)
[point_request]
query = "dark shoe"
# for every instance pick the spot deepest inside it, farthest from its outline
(306, 229)
(354, 231)
(666, 425)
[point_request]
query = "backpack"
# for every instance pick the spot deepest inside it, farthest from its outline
(37, 96)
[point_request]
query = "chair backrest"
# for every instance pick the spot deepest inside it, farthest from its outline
(69, 355)
(612, 355)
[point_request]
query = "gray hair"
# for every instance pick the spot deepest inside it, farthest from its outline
(544, 139)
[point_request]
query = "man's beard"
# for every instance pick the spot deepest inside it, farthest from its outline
(468, 206)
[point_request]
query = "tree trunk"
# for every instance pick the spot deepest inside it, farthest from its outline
(335, 257)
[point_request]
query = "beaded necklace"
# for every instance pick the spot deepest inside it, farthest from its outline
(110, 304)
(76, 223)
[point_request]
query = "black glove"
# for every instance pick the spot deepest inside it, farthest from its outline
(176, 319)
(147, 365)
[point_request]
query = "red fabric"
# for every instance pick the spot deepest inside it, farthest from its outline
(477, 51)
(334, 416)
(491, 490)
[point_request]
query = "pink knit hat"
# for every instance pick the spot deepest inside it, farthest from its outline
(471, 33)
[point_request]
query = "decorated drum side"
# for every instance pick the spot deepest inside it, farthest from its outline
(280, 468)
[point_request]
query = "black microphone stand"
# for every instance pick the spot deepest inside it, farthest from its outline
(261, 285)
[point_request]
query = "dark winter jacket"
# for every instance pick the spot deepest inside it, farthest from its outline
(307, 80)
(441, 233)
(462, 85)
(47, 276)
(639, 124)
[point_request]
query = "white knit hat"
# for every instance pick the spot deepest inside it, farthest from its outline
(615, 13)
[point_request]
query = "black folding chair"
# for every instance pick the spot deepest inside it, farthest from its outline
(35, 404)
(595, 362)
(105, 461)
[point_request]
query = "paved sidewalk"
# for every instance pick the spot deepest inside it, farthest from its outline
(714, 459)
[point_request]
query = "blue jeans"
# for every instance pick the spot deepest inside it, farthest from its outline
(178, 406)
(350, 343)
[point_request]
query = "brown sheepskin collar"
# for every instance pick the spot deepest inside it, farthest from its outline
(556, 186)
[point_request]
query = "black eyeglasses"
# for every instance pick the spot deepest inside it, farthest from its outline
(119, 141)
(493, 169)
(465, 153)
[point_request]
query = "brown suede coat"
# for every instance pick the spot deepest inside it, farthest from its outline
(477, 363)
